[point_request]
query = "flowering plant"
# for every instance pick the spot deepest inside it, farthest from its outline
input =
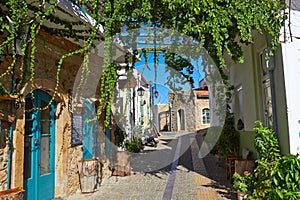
(243, 183)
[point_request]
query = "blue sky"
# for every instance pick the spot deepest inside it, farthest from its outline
(161, 78)
(145, 39)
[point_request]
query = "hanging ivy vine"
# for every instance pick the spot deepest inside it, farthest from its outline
(17, 24)
(220, 26)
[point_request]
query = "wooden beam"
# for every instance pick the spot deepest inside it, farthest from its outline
(8, 98)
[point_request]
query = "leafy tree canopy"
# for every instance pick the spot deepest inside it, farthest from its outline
(220, 26)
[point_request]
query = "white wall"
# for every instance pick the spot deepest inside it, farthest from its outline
(291, 65)
(290, 42)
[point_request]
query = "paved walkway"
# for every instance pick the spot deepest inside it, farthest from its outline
(181, 180)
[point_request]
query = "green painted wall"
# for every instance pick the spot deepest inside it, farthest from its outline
(249, 76)
(247, 142)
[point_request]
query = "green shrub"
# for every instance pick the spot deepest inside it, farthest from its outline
(276, 176)
(266, 143)
(134, 146)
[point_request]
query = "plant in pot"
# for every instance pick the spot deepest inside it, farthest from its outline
(134, 146)
(276, 176)
(243, 183)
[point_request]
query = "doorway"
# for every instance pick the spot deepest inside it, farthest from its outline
(39, 147)
(180, 120)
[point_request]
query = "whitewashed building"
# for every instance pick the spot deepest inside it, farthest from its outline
(267, 90)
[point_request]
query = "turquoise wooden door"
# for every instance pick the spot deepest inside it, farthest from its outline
(88, 115)
(90, 130)
(39, 147)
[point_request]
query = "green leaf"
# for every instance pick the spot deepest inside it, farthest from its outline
(297, 174)
(276, 181)
(297, 194)
(280, 194)
(287, 178)
(280, 174)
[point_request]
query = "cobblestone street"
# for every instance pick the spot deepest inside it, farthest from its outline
(185, 178)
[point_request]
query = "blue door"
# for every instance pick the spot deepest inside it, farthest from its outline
(39, 147)
(90, 127)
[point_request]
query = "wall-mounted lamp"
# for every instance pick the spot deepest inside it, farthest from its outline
(18, 45)
(156, 94)
(18, 102)
(140, 91)
(240, 125)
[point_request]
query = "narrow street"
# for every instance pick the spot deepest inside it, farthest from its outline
(185, 178)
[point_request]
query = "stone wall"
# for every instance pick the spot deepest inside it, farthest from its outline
(5, 111)
(186, 104)
(3, 154)
(190, 116)
(49, 50)
(183, 106)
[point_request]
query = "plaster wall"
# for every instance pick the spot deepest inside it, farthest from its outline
(163, 117)
(249, 76)
(291, 63)
(242, 76)
(247, 142)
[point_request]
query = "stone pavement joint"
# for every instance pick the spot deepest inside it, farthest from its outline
(189, 184)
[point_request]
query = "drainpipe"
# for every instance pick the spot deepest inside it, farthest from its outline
(10, 139)
(10, 146)
(133, 112)
(170, 113)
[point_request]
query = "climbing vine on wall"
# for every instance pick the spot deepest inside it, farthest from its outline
(220, 27)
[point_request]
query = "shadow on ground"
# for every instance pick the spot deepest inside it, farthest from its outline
(149, 162)
(216, 172)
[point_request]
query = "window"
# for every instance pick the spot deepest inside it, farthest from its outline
(266, 90)
(205, 116)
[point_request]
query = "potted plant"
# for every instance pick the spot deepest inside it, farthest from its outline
(134, 146)
(243, 184)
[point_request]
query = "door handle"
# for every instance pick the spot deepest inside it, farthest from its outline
(36, 141)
